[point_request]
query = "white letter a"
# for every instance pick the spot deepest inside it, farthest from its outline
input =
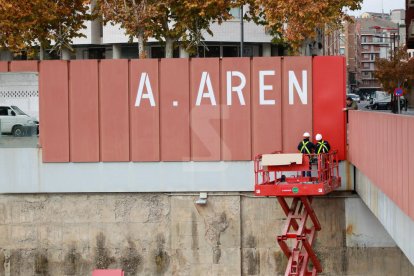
(149, 95)
(205, 80)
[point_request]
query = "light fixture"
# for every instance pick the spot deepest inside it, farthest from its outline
(202, 199)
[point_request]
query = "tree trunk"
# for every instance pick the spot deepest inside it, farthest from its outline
(64, 54)
(41, 53)
(169, 43)
(141, 46)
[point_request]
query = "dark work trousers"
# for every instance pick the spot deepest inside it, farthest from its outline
(308, 173)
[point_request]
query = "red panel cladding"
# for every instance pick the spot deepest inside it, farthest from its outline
(83, 111)
(235, 116)
(175, 110)
(205, 109)
(24, 66)
(296, 110)
(266, 105)
(4, 66)
(54, 113)
(114, 113)
(144, 110)
(411, 165)
(328, 101)
(405, 164)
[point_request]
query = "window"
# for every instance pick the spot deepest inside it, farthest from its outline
(209, 51)
(5, 111)
(366, 65)
(366, 56)
(230, 51)
(18, 110)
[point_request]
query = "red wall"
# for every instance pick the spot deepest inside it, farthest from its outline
(88, 109)
(327, 99)
(389, 158)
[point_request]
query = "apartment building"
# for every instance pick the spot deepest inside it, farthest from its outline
(375, 38)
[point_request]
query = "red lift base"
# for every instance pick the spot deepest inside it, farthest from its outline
(283, 176)
(303, 236)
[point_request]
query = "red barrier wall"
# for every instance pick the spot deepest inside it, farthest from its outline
(326, 100)
(4, 66)
(83, 111)
(114, 110)
(24, 66)
(54, 110)
(266, 105)
(296, 112)
(145, 118)
(175, 110)
(390, 153)
(235, 115)
(205, 109)
(155, 110)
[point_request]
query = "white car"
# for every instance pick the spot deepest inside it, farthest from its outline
(15, 121)
(355, 97)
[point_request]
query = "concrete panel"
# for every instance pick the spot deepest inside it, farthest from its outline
(362, 228)
(24, 66)
(4, 66)
(54, 110)
(266, 105)
(120, 177)
(398, 224)
(175, 110)
(113, 110)
(236, 107)
(205, 109)
(297, 101)
(328, 101)
(19, 170)
(144, 110)
(83, 111)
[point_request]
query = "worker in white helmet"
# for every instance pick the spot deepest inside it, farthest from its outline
(306, 147)
(322, 146)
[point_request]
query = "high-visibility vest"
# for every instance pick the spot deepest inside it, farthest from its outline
(304, 147)
(322, 147)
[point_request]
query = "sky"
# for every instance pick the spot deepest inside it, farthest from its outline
(376, 6)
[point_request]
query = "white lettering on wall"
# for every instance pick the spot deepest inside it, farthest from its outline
(263, 87)
(144, 81)
(302, 91)
(205, 81)
(237, 89)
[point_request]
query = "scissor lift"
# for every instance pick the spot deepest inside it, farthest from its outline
(299, 177)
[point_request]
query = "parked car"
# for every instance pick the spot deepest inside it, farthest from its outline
(355, 97)
(13, 120)
(382, 100)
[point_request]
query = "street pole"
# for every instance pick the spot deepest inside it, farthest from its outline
(399, 107)
(241, 31)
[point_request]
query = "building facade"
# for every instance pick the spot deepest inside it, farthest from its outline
(375, 38)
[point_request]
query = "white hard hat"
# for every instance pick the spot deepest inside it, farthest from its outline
(306, 134)
(318, 137)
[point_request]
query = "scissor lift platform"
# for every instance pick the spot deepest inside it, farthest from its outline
(300, 177)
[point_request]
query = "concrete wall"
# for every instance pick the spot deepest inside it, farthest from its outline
(397, 223)
(168, 234)
(22, 171)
